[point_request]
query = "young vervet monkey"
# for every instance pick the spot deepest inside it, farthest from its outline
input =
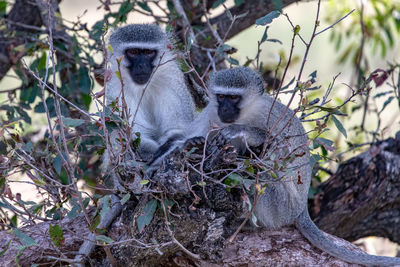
(154, 85)
(239, 106)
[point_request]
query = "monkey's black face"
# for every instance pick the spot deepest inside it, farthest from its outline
(141, 63)
(228, 107)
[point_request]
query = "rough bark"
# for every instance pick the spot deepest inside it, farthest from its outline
(363, 197)
(74, 232)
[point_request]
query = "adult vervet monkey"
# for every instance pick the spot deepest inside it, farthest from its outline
(153, 85)
(239, 106)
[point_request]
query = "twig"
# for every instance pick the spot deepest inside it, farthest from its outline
(190, 254)
(276, 95)
(256, 197)
(186, 23)
(219, 45)
(57, 94)
(331, 26)
(213, 31)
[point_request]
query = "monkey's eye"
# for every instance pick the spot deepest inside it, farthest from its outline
(234, 97)
(132, 52)
(149, 52)
(220, 96)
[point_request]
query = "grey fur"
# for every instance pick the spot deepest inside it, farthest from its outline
(145, 33)
(285, 199)
(167, 106)
(238, 78)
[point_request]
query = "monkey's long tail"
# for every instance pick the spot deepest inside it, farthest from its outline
(322, 241)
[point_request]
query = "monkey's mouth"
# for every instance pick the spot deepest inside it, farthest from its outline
(228, 119)
(141, 78)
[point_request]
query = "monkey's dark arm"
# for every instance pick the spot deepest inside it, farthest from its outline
(170, 144)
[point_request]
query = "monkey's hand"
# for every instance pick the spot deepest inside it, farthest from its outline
(238, 135)
(194, 142)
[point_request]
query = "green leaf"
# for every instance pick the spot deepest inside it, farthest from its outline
(232, 61)
(144, 182)
(3, 6)
(218, 3)
(274, 41)
(123, 11)
(313, 74)
(233, 179)
(84, 81)
(387, 102)
(76, 209)
(42, 62)
(325, 141)
(267, 19)
(57, 163)
(144, 6)
(86, 100)
(30, 94)
(339, 126)
(56, 234)
(39, 108)
(290, 83)
(297, 29)
(24, 238)
(104, 239)
(327, 109)
(125, 198)
(278, 5)
(236, 177)
(314, 158)
(238, 2)
(118, 74)
(69, 122)
(265, 35)
(147, 214)
(5, 249)
(106, 205)
(95, 222)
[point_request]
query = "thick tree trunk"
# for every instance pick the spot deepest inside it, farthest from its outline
(363, 197)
